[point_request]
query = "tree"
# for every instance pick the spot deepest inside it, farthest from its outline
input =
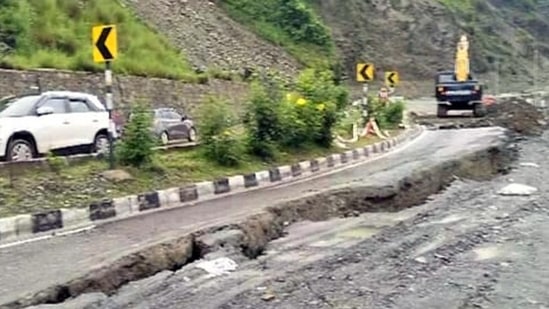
(136, 148)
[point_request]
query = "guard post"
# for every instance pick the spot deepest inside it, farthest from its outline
(105, 50)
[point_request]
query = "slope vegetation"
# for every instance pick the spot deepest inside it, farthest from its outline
(288, 23)
(56, 34)
(210, 38)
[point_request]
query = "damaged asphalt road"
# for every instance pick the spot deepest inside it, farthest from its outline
(471, 248)
(356, 245)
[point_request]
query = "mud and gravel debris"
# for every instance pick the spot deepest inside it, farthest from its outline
(514, 114)
(519, 116)
(387, 271)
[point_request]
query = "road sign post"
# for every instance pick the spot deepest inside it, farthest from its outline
(365, 73)
(105, 50)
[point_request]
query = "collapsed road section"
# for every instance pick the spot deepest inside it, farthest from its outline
(406, 180)
(111, 267)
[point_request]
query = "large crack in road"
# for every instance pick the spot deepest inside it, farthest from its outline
(470, 248)
(179, 284)
(353, 243)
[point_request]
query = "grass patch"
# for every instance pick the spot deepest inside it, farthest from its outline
(32, 190)
(290, 24)
(57, 34)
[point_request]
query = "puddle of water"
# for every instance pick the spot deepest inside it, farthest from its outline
(487, 253)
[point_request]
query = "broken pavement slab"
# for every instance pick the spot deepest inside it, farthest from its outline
(516, 189)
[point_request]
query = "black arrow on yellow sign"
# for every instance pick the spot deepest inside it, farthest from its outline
(391, 79)
(365, 72)
(105, 45)
(101, 43)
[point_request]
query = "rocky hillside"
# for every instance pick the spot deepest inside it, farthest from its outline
(414, 37)
(209, 38)
(417, 37)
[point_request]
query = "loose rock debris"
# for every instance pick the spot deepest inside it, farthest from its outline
(218, 266)
(515, 114)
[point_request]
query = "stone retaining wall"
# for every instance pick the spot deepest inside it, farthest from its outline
(127, 89)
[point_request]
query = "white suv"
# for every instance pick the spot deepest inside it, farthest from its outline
(36, 124)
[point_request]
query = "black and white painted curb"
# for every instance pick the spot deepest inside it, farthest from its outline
(50, 222)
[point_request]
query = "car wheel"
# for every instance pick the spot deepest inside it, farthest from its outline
(20, 150)
(192, 135)
(164, 138)
(479, 110)
(101, 144)
(442, 111)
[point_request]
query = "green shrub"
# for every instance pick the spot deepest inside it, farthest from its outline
(219, 142)
(302, 121)
(56, 163)
(388, 115)
(225, 149)
(347, 120)
(262, 119)
(393, 113)
(136, 147)
(320, 89)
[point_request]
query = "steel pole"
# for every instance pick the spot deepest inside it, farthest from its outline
(110, 105)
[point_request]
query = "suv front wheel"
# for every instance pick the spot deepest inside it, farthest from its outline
(101, 144)
(20, 150)
(192, 135)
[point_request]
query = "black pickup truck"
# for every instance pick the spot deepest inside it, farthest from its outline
(454, 95)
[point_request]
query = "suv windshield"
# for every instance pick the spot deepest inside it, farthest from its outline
(19, 107)
(446, 78)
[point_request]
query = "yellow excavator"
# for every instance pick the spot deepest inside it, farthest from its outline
(458, 90)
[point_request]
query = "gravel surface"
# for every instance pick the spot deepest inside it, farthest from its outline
(474, 249)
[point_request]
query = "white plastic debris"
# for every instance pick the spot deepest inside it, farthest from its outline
(516, 189)
(218, 266)
(528, 164)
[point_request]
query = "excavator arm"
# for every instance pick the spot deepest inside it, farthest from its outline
(457, 90)
(462, 68)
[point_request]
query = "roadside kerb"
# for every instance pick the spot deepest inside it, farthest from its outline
(77, 158)
(28, 226)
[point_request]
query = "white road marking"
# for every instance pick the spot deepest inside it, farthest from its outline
(30, 240)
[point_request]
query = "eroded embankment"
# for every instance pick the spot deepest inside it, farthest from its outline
(257, 231)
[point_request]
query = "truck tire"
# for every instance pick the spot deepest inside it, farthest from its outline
(479, 110)
(442, 111)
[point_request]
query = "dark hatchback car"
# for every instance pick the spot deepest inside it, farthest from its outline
(169, 126)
